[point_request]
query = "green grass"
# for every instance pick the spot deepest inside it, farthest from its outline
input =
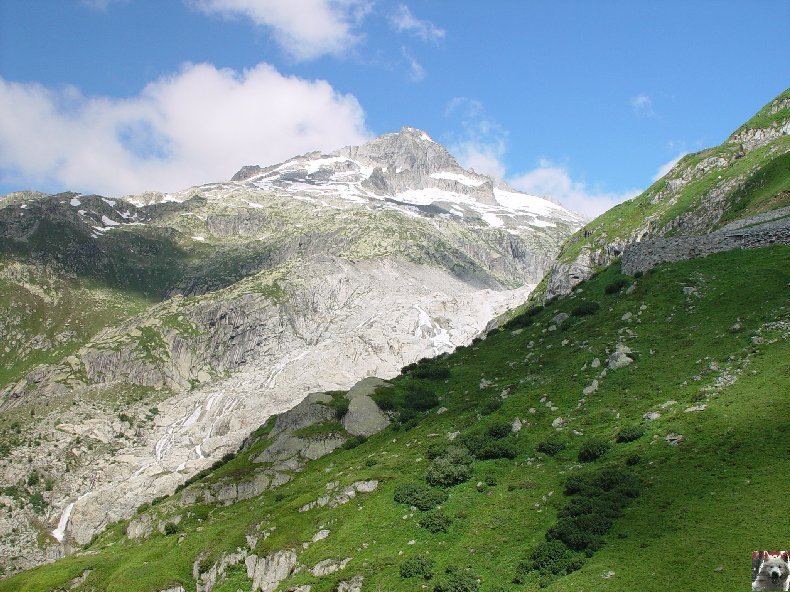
(702, 504)
(765, 185)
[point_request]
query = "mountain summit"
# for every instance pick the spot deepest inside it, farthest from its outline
(157, 331)
(407, 170)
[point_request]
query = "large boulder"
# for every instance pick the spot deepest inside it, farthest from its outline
(364, 418)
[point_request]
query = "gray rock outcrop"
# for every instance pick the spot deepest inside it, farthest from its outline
(364, 418)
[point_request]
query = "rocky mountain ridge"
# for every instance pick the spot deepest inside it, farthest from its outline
(213, 308)
(745, 176)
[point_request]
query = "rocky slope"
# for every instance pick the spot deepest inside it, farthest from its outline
(555, 453)
(145, 337)
(745, 176)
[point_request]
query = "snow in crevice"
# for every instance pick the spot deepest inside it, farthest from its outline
(60, 532)
(463, 179)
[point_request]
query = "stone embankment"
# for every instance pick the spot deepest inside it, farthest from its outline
(764, 230)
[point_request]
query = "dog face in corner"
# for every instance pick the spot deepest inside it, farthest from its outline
(774, 573)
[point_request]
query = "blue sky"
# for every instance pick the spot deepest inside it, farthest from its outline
(584, 101)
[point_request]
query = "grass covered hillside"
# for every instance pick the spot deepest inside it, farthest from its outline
(747, 175)
(630, 436)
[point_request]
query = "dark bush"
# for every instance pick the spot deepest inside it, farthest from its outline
(585, 308)
(420, 399)
(171, 528)
(484, 447)
(340, 405)
(630, 433)
(497, 449)
(37, 502)
(615, 286)
(593, 449)
(408, 415)
(490, 406)
(455, 580)
(633, 459)
(551, 445)
(638, 274)
(452, 468)
(551, 558)
(417, 567)
(436, 450)
(599, 499)
(421, 496)
(499, 429)
(353, 442)
(432, 372)
(519, 322)
(386, 399)
(435, 522)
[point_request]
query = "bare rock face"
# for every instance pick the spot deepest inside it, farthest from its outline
(302, 277)
(670, 233)
(267, 572)
(364, 418)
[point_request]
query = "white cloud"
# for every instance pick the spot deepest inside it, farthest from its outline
(482, 143)
(667, 166)
(642, 105)
(416, 71)
(198, 125)
(555, 182)
(404, 21)
(305, 29)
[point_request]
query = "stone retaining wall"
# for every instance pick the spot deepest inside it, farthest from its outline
(764, 230)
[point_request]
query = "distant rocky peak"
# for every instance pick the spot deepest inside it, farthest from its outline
(410, 148)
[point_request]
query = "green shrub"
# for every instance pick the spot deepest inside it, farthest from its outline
(420, 399)
(490, 406)
(615, 286)
(171, 528)
(494, 449)
(386, 399)
(593, 449)
(353, 442)
(638, 274)
(432, 372)
(499, 430)
(452, 468)
(421, 496)
(630, 433)
(551, 558)
(32, 479)
(551, 445)
(436, 450)
(37, 503)
(417, 567)
(633, 459)
(435, 522)
(585, 308)
(455, 580)
(599, 499)
(525, 319)
(339, 403)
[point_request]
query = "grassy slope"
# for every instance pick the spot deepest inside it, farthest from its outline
(704, 502)
(766, 186)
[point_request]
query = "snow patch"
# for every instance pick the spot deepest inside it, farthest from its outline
(60, 532)
(108, 222)
(75, 202)
(463, 179)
